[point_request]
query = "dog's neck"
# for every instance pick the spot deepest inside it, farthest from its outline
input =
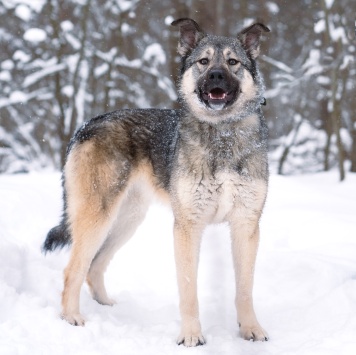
(225, 116)
(228, 143)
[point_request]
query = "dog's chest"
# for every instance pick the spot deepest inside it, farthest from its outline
(216, 175)
(219, 196)
(211, 199)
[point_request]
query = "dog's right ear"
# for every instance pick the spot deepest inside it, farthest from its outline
(190, 35)
(250, 38)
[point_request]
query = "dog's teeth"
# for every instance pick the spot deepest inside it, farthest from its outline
(217, 97)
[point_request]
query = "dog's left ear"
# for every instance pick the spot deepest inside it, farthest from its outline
(250, 38)
(190, 35)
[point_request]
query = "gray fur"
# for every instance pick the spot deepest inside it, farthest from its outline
(209, 158)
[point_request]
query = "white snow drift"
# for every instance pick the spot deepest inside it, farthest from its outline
(305, 284)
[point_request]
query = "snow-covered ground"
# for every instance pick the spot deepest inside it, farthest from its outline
(305, 285)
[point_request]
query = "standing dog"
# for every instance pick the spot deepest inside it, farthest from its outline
(208, 159)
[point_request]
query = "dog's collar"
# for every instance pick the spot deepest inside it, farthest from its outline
(263, 102)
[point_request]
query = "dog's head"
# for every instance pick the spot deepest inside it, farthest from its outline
(219, 76)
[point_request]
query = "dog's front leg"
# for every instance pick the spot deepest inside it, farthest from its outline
(245, 239)
(186, 245)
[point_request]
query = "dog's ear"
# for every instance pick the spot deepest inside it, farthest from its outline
(250, 38)
(190, 35)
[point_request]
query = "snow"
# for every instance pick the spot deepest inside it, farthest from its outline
(126, 5)
(74, 42)
(5, 76)
(154, 54)
(319, 26)
(101, 70)
(67, 90)
(43, 72)
(305, 282)
(338, 33)
(347, 60)
(33, 4)
(21, 56)
(7, 64)
(312, 64)
(18, 97)
(272, 7)
(23, 12)
(168, 20)
(126, 28)
(323, 80)
(35, 35)
(329, 3)
(67, 26)
(278, 64)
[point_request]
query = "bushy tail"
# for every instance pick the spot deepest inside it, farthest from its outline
(57, 237)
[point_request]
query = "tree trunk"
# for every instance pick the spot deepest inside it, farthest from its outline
(54, 16)
(353, 150)
(328, 128)
(335, 111)
(76, 76)
(287, 147)
(336, 117)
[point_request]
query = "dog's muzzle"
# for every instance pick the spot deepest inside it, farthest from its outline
(218, 96)
(218, 90)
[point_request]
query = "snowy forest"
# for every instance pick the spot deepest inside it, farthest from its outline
(63, 62)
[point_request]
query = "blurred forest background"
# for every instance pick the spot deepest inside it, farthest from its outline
(65, 61)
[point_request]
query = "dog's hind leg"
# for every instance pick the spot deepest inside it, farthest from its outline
(131, 214)
(95, 188)
(90, 232)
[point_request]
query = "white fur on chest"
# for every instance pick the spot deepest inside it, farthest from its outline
(225, 198)
(212, 199)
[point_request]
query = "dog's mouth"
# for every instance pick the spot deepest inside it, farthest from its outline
(217, 98)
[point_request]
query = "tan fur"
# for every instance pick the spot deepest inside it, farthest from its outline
(209, 54)
(223, 198)
(209, 161)
(188, 87)
(99, 232)
(96, 230)
(248, 90)
(229, 54)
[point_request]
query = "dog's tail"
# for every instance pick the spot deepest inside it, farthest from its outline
(57, 237)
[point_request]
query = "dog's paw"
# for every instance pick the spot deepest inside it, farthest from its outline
(190, 334)
(105, 301)
(253, 333)
(74, 319)
(191, 340)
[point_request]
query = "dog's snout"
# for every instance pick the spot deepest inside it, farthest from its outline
(216, 75)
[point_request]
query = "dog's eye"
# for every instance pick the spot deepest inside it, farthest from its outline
(232, 61)
(204, 61)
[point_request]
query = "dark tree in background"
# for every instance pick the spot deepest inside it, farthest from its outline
(63, 62)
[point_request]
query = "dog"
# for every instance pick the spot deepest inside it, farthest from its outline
(208, 159)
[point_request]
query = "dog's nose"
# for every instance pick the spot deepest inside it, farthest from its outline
(216, 75)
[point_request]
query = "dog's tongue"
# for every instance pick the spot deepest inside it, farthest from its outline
(217, 94)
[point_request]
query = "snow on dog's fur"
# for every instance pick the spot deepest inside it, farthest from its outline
(207, 159)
